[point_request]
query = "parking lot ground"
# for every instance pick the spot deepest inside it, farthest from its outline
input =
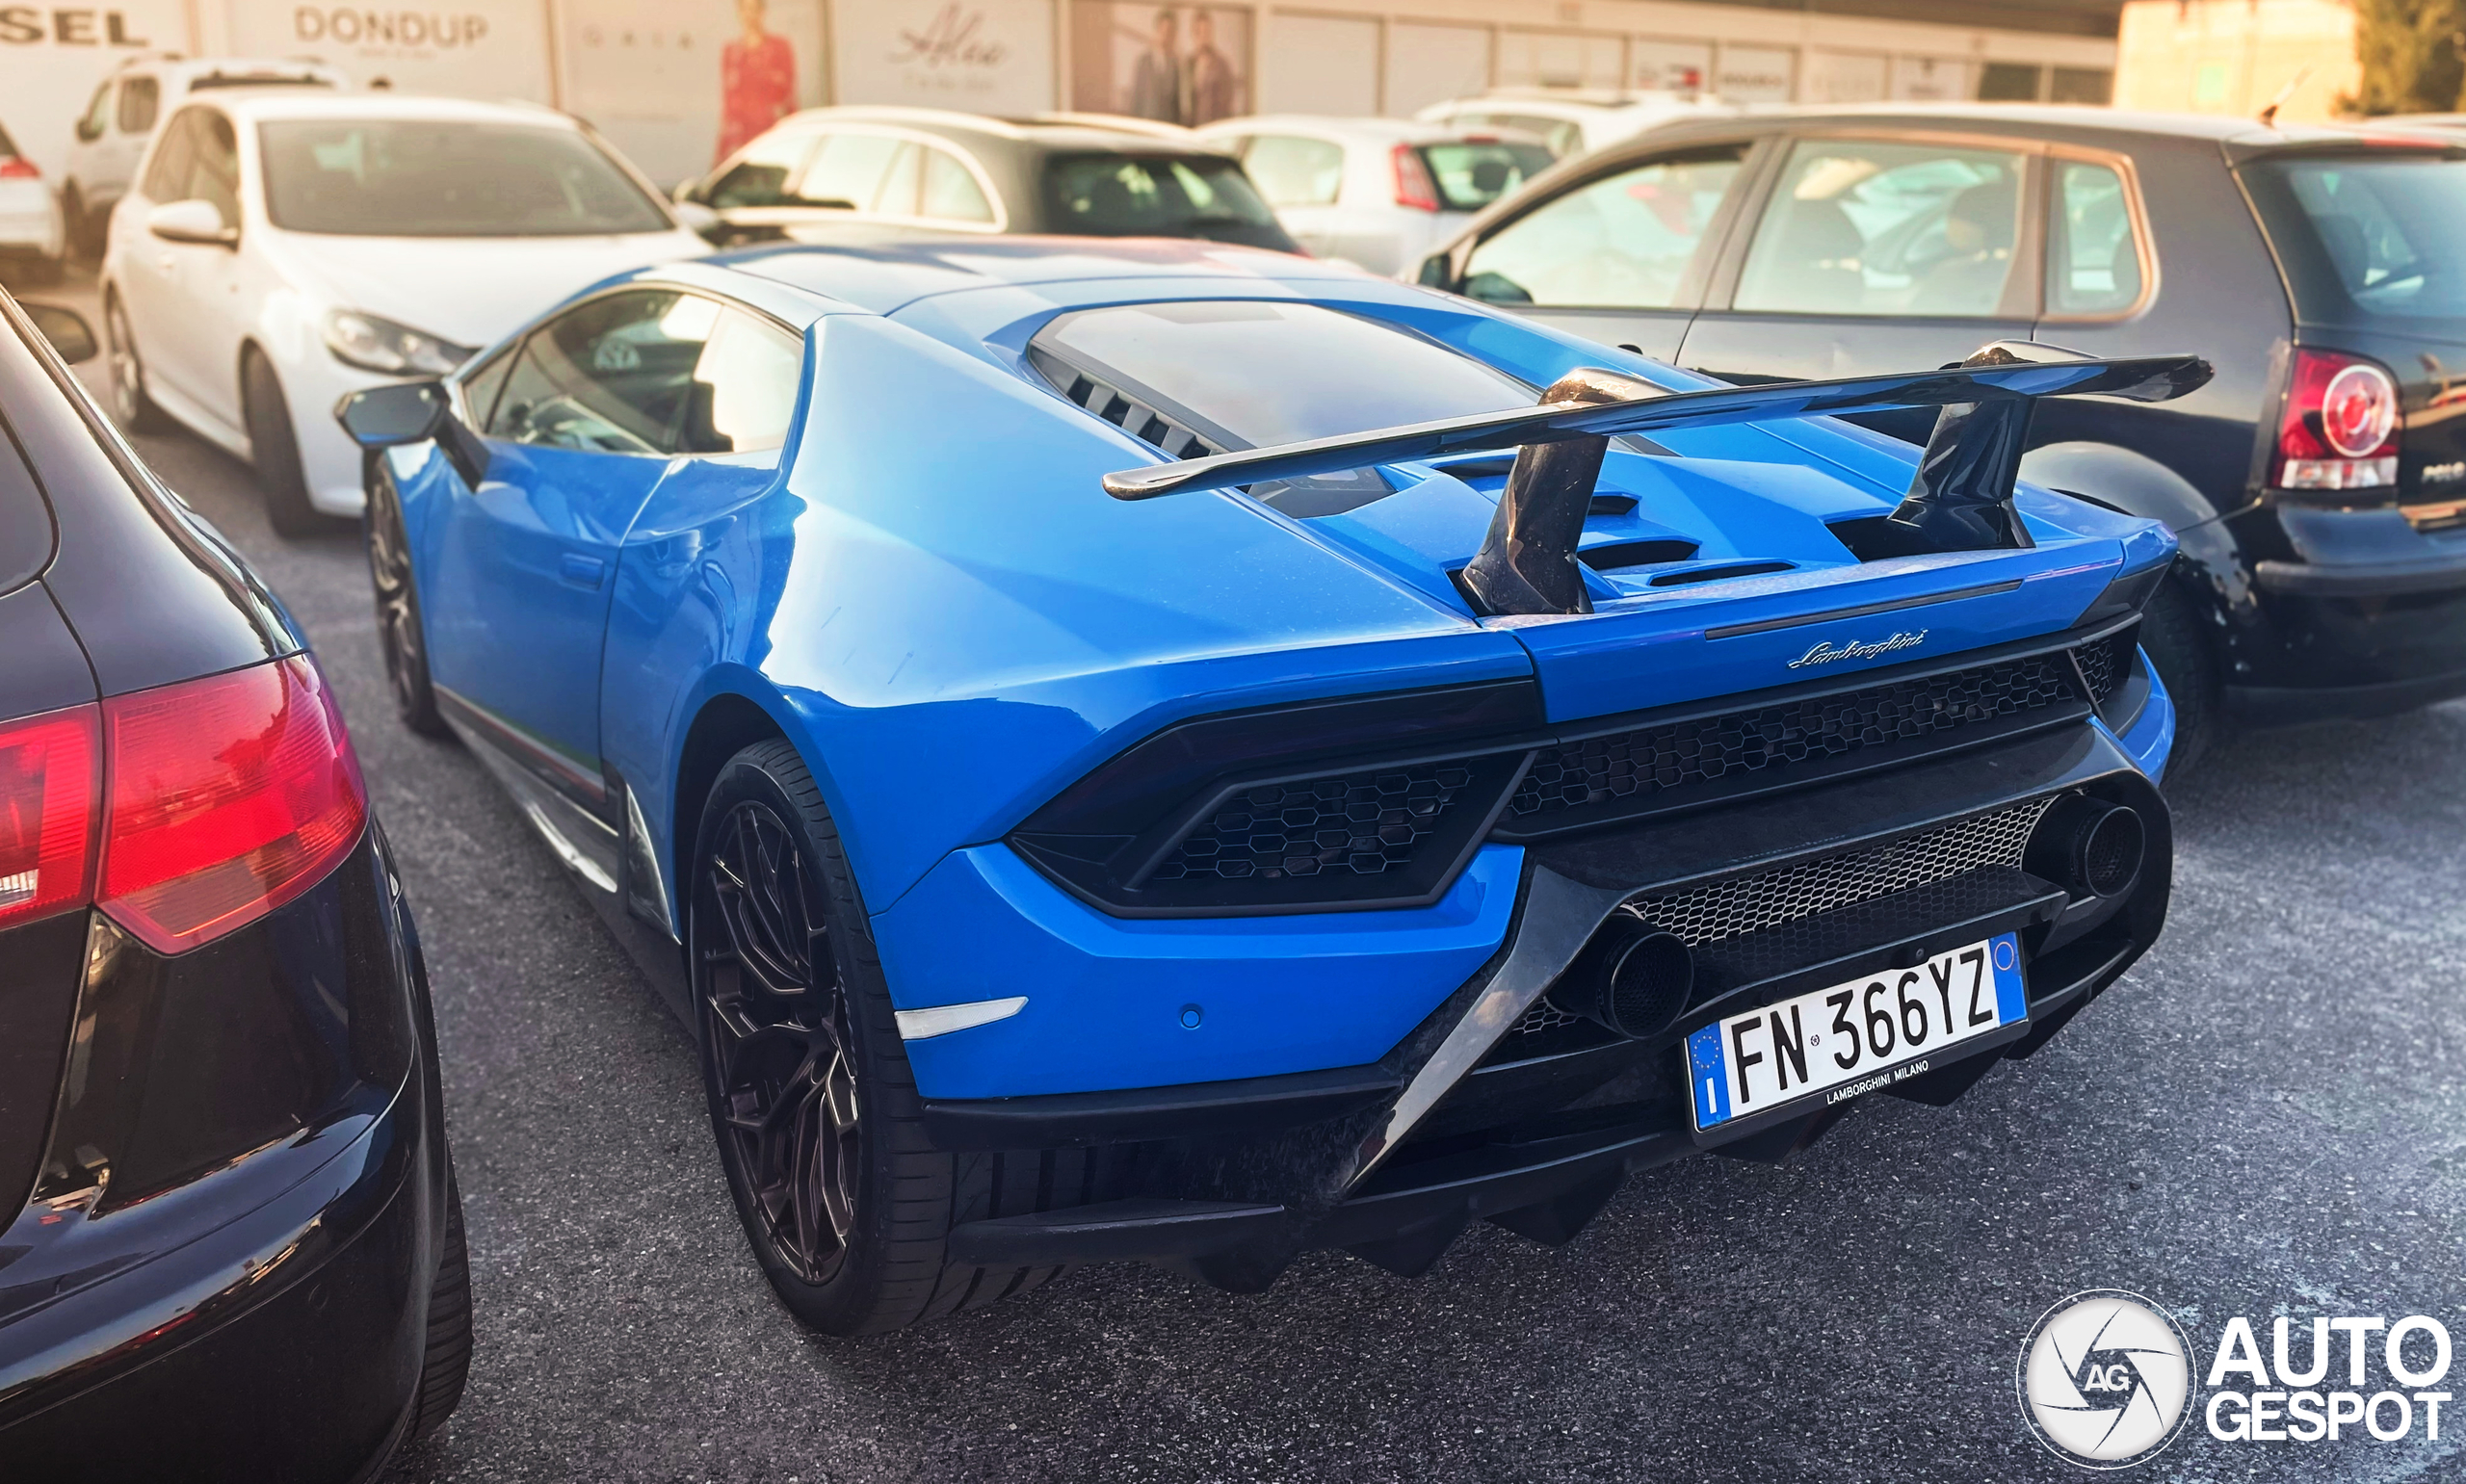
(2268, 1116)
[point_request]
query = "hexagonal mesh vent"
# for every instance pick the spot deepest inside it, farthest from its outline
(1361, 824)
(2102, 662)
(1745, 905)
(1627, 764)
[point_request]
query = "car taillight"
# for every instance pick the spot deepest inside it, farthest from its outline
(18, 167)
(47, 789)
(228, 797)
(1413, 186)
(2340, 429)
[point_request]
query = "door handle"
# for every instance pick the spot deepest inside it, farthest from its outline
(582, 571)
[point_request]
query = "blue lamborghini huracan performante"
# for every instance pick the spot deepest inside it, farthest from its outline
(1163, 751)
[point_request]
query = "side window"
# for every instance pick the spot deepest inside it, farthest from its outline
(1862, 228)
(760, 175)
(951, 192)
(1626, 240)
(846, 173)
(216, 175)
(141, 100)
(1295, 171)
(743, 389)
(97, 114)
(2092, 261)
(481, 384)
(166, 173)
(613, 376)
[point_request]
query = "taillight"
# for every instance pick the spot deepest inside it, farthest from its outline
(18, 167)
(227, 798)
(2340, 429)
(1413, 186)
(47, 789)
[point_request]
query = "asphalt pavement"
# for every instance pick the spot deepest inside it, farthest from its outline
(2265, 1118)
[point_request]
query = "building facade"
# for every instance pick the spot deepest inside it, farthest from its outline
(665, 77)
(2239, 56)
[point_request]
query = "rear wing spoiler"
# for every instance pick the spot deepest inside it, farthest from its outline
(1959, 498)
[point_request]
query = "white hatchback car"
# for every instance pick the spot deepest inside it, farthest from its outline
(1573, 122)
(281, 249)
(1376, 193)
(31, 235)
(119, 122)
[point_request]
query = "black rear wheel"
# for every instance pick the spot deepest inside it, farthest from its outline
(275, 452)
(848, 1206)
(399, 630)
(445, 1365)
(2182, 649)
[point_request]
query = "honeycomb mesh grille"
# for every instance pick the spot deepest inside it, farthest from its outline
(1626, 766)
(1359, 823)
(2099, 663)
(1745, 905)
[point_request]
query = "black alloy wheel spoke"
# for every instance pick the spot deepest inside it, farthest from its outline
(786, 1083)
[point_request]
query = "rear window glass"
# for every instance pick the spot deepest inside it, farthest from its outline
(2368, 241)
(406, 177)
(1471, 175)
(1200, 377)
(1176, 195)
(7, 146)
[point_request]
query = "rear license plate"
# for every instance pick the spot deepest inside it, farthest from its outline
(1855, 1038)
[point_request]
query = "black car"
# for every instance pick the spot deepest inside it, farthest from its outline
(911, 170)
(2318, 485)
(233, 1247)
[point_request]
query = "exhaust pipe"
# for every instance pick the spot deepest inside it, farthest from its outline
(1632, 978)
(1527, 564)
(2088, 846)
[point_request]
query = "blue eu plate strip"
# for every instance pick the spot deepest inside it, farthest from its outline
(1710, 1076)
(2011, 1001)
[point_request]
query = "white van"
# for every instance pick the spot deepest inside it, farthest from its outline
(120, 117)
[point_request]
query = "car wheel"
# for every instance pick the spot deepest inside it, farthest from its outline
(2182, 649)
(846, 1206)
(399, 630)
(137, 411)
(275, 450)
(445, 1365)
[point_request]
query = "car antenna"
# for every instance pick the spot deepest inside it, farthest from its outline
(2269, 114)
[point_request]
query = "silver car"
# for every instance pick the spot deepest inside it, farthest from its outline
(1378, 193)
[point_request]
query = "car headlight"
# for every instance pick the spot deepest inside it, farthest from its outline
(374, 344)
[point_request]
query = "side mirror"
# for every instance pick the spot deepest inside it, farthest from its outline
(698, 219)
(191, 221)
(683, 189)
(405, 412)
(65, 328)
(88, 130)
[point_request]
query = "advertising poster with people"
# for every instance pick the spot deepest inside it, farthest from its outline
(1175, 64)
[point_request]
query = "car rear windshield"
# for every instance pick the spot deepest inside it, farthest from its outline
(7, 146)
(1247, 374)
(1168, 195)
(1471, 175)
(422, 177)
(2368, 241)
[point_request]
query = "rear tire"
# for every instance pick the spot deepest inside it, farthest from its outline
(848, 1206)
(87, 227)
(400, 631)
(137, 411)
(275, 450)
(2183, 650)
(446, 1364)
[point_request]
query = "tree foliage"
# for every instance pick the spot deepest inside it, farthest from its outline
(2413, 54)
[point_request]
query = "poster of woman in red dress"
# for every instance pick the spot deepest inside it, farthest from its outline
(757, 80)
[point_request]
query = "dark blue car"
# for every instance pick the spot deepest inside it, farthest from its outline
(1174, 752)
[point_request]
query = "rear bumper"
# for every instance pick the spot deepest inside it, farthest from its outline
(262, 1316)
(1474, 1116)
(2370, 621)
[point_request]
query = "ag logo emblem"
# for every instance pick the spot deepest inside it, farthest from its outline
(2104, 1379)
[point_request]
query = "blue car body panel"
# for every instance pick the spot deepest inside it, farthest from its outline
(930, 595)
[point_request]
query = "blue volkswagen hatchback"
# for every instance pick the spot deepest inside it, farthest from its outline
(1163, 751)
